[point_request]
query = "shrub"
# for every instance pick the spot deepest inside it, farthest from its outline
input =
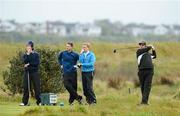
(116, 82)
(50, 75)
(166, 81)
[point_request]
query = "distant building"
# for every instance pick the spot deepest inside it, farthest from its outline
(8, 26)
(87, 30)
(137, 30)
(160, 30)
(176, 29)
(41, 28)
(28, 28)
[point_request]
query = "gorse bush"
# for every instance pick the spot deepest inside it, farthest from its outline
(49, 70)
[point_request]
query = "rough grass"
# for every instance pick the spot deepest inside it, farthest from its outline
(111, 102)
(164, 99)
(110, 65)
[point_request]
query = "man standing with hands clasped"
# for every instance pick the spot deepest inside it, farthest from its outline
(87, 60)
(31, 65)
(68, 60)
(145, 69)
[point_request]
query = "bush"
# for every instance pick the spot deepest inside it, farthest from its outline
(166, 81)
(116, 82)
(50, 75)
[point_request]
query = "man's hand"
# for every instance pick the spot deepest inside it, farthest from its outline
(26, 65)
(29, 51)
(79, 65)
(61, 66)
(81, 51)
(153, 48)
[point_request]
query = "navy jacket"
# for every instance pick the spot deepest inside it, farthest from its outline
(33, 60)
(68, 60)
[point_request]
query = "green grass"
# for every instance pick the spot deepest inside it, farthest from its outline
(108, 64)
(111, 102)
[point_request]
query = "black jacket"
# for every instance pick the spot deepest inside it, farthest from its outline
(145, 58)
(33, 60)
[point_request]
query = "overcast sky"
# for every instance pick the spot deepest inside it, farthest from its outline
(126, 11)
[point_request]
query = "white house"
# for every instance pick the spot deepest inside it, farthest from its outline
(41, 28)
(176, 29)
(59, 30)
(7, 26)
(56, 28)
(94, 31)
(28, 28)
(87, 30)
(160, 30)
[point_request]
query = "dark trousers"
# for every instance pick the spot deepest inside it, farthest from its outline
(87, 82)
(34, 78)
(70, 83)
(145, 77)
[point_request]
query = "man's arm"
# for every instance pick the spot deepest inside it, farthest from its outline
(36, 61)
(153, 54)
(60, 58)
(143, 50)
(25, 59)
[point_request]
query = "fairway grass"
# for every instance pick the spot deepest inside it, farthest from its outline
(111, 103)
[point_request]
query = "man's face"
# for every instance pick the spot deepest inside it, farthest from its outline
(68, 47)
(28, 48)
(141, 46)
(85, 48)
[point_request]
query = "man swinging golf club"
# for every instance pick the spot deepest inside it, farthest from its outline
(31, 61)
(87, 60)
(146, 69)
(68, 60)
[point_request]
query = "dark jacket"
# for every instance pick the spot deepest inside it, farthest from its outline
(33, 60)
(145, 58)
(68, 60)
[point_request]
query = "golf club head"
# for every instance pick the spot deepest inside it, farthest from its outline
(114, 51)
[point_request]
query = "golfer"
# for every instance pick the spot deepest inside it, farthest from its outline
(87, 60)
(31, 65)
(145, 69)
(68, 62)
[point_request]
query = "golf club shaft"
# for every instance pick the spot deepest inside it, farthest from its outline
(28, 86)
(127, 48)
(134, 47)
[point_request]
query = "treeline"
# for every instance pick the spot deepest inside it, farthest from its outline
(14, 37)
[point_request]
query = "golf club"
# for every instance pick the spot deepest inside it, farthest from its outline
(115, 50)
(28, 88)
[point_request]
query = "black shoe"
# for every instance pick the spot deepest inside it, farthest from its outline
(71, 102)
(80, 100)
(92, 104)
